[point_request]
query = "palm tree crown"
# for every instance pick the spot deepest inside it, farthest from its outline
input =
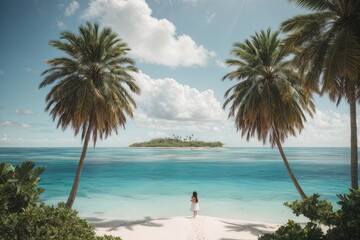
(326, 43)
(89, 83)
(268, 100)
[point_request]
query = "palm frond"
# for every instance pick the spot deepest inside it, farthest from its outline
(91, 86)
(318, 5)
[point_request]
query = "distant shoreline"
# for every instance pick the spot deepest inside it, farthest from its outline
(190, 148)
(177, 142)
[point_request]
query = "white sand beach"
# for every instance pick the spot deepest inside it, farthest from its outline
(183, 228)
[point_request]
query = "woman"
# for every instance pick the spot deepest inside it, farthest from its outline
(194, 204)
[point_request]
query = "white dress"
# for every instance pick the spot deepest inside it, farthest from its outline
(194, 207)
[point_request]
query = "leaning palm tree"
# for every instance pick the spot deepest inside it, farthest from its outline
(91, 87)
(268, 100)
(326, 42)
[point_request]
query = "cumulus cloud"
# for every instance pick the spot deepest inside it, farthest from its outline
(165, 104)
(151, 40)
(327, 128)
(71, 9)
(24, 112)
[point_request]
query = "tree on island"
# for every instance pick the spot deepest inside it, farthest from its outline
(91, 87)
(269, 99)
(327, 46)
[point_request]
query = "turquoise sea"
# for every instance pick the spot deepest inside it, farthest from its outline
(238, 183)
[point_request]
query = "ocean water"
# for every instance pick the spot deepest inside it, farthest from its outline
(239, 183)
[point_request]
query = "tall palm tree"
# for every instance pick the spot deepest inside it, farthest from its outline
(91, 87)
(327, 46)
(268, 100)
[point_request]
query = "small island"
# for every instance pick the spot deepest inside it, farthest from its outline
(177, 142)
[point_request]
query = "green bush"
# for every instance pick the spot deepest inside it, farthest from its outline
(18, 186)
(47, 222)
(293, 231)
(346, 224)
(343, 224)
(22, 216)
(314, 209)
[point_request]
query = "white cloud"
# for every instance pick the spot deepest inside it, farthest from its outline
(4, 138)
(220, 63)
(326, 129)
(171, 1)
(71, 9)
(61, 25)
(30, 70)
(24, 112)
(7, 123)
(210, 17)
(190, 1)
(165, 104)
(35, 141)
(2, 73)
(151, 40)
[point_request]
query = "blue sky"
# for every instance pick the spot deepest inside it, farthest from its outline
(180, 47)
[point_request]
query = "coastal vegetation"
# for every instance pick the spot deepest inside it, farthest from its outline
(342, 224)
(92, 87)
(178, 142)
(269, 99)
(23, 216)
(326, 44)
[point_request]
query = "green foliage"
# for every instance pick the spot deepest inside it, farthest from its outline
(47, 222)
(22, 216)
(91, 82)
(347, 221)
(177, 142)
(18, 186)
(343, 224)
(293, 231)
(268, 99)
(314, 209)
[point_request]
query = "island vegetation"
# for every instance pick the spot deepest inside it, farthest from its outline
(178, 142)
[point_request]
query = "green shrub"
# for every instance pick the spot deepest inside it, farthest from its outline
(23, 217)
(314, 209)
(346, 225)
(47, 222)
(343, 224)
(293, 231)
(18, 186)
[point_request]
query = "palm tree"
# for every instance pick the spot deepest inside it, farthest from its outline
(268, 100)
(327, 46)
(91, 87)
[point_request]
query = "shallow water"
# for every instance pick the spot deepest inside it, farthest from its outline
(241, 183)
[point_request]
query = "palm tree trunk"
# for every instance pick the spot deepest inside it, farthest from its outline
(354, 144)
(76, 183)
(293, 179)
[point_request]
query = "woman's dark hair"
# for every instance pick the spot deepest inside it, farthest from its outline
(195, 195)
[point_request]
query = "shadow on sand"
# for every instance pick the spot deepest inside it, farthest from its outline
(254, 228)
(114, 224)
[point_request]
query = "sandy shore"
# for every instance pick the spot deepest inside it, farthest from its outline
(183, 228)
